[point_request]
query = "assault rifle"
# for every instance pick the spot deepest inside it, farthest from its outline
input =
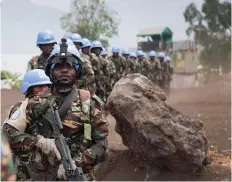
(73, 174)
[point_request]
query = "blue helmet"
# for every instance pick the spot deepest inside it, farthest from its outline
(115, 49)
(133, 54)
(34, 78)
(85, 43)
(46, 37)
(125, 52)
(152, 54)
(96, 44)
(76, 38)
(140, 53)
(167, 59)
(103, 52)
(71, 56)
(161, 55)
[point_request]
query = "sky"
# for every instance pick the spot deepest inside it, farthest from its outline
(21, 20)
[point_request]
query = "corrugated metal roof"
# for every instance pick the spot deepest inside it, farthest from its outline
(151, 31)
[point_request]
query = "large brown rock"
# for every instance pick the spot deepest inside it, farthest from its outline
(155, 132)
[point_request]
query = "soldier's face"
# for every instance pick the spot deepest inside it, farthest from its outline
(140, 57)
(115, 54)
(47, 48)
(97, 51)
(78, 45)
(125, 56)
(152, 58)
(40, 89)
(64, 74)
(85, 50)
(161, 59)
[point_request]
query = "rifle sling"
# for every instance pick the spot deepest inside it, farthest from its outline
(65, 106)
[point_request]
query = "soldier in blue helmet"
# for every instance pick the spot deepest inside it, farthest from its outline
(98, 67)
(132, 63)
(119, 62)
(77, 40)
(155, 67)
(88, 79)
(103, 53)
(125, 53)
(169, 70)
(35, 83)
(163, 73)
(83, 127)
(45, 41)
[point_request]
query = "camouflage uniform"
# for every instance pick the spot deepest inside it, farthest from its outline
(137, 66)
(131, 66)
(88, 78)
(145, 66)
(97, 64)
(83, 125)
(109, 72)
(140, 66)
(163, 75)
(37, 62)
(120, 65)
(155, 71)
(169, 73)
(8, 171)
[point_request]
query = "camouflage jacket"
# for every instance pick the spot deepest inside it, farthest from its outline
(37, 62)
(88, 76)
(83, 125)
(137, 66)
(131, 65)
(8, 171)
(145, 67)
(109, 68)
(97, 65)
(120, 64)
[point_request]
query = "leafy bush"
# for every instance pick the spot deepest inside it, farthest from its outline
(12, 79)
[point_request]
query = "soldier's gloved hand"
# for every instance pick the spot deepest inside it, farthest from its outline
(61, 172)
(48, 146)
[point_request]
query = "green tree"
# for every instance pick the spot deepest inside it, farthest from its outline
(91, 19)
(211, 28)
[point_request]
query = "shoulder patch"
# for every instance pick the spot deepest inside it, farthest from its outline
(15, 115)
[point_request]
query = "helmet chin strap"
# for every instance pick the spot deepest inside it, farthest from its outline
(63, 89)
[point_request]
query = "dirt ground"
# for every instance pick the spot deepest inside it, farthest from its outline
(210, 103)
